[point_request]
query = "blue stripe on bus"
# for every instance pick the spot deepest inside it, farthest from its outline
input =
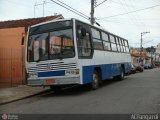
(51, 73)
(108, 71)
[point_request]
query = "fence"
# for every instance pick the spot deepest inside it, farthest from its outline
(12, 70)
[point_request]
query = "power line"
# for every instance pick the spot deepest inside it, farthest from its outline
(100, 3)
(120, 3)
(129, 24)
(72, 10)
(130, 12)
(148, 42)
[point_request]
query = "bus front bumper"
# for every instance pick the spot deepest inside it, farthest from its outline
(54, 81)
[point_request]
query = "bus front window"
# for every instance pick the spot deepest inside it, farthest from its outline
(53, 45)
(61, 44)
(37, 47)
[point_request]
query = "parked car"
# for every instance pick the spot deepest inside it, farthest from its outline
(157, 65)
(133, 70)
(138, 67)
(148, 66)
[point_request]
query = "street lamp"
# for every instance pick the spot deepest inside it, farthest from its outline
(142, 33)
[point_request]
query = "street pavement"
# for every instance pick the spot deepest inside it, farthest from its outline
(12, 94)
(137, 93)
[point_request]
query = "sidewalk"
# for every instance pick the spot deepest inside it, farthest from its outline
(8, 95)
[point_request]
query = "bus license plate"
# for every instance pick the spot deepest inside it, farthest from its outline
(51, 81)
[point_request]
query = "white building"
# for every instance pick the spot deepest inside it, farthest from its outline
(157, 53)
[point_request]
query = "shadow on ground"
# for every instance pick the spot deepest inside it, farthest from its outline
(77, 90)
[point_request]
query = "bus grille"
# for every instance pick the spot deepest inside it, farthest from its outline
(52, 67)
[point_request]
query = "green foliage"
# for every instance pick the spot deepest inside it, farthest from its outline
(151, 49)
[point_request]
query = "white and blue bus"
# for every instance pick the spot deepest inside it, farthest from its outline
(69, 52)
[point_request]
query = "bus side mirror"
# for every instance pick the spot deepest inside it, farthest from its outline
(83, 32)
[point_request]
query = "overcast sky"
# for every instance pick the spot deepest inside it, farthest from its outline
(128, 26)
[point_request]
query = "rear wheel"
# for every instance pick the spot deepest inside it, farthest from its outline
(121, 76)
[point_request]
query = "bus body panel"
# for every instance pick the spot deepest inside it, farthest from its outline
(108, 71)
(109, 67)
(57, 70)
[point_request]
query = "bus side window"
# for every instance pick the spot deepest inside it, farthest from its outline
(97, 42)
(106, 43)
(113, 43)
(84, 44)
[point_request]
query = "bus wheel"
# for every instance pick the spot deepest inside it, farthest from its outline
(95, 81)
(121, 76)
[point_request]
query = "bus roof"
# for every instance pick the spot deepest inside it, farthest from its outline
(56, 20)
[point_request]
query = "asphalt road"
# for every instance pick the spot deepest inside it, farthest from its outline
(138, 93)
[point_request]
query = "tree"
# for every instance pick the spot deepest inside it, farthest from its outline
(151, 49)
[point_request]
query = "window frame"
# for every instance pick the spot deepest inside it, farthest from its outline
(113, 42)
(88, 29)
(104, 41)
(97, 39)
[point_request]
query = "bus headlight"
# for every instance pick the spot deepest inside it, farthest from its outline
(32, 75)
(72, 72)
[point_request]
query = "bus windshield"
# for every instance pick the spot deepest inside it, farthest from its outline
(51, 45)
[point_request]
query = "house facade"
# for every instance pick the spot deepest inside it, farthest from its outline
(12, 49)
(138, 57)
(157, 53)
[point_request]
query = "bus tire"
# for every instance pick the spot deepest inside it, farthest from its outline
(95, 81)
(121, 76)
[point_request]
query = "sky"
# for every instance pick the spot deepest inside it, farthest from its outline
(108, 14)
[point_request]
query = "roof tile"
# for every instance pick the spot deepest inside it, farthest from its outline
(27, 22)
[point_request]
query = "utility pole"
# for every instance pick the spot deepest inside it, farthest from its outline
(141, 48)
(92, 12)
(43, 7)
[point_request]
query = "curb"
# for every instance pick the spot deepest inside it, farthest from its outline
(28, 96)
